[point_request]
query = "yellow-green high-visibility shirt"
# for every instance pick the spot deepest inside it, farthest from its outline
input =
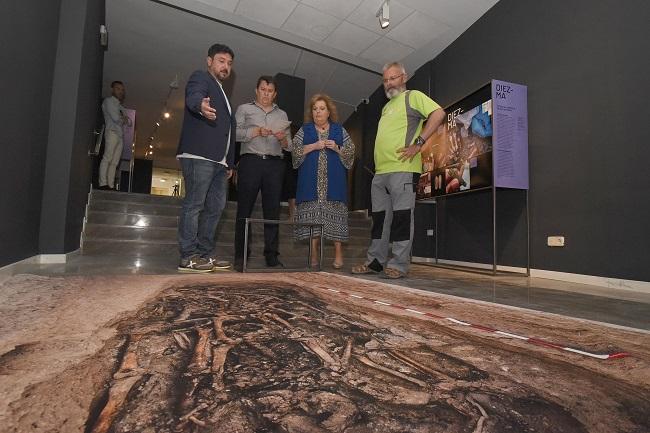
(400, 124)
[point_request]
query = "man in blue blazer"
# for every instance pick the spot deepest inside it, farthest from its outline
(206, 154)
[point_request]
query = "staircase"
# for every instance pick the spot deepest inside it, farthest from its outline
(141, 225)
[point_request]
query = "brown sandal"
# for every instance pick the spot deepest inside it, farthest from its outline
(363, 269)
(393, 274)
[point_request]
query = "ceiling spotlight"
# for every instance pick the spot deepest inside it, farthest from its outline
(384, 15)
(157, 123)
(166, 115)
(151, 146)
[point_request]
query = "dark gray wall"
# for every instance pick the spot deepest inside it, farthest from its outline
(362, 127)
(88, 119)
(51, 75)
(76, 93)
(28, 44)
(357, 197)
(586, 67)
(291, 98)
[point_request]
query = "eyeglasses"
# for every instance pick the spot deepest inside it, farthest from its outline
(393, 78)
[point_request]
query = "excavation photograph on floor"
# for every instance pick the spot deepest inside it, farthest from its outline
(308, 352)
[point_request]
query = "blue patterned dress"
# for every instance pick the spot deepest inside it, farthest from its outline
(332, 214)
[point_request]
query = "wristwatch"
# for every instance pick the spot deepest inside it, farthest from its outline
(419, 141)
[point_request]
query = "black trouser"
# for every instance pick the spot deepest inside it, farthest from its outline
(255, 174)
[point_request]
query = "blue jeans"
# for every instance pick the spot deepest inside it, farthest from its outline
(205, 197)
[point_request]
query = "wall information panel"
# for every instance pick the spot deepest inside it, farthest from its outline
(483, 143)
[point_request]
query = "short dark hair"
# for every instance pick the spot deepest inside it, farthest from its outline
(116, 82)
(220, 48)
(269, 80)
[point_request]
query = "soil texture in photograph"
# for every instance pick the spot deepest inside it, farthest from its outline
(325, 353)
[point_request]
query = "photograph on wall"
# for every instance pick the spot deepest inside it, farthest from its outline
(457, 157)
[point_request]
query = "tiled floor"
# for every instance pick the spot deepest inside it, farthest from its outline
(613, 306)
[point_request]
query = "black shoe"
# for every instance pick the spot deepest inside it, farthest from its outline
(273, 262)
(105, 188)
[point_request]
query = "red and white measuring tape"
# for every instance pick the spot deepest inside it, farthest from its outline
(532, 340)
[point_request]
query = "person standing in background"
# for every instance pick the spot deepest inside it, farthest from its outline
(114, 120)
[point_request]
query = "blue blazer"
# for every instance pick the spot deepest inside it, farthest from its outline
(200, 136)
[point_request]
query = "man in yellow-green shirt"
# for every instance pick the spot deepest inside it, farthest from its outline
(398, 164)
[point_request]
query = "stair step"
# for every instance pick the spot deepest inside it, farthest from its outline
(130, 232)
(161, 247)
(133, 197)
(136, 225)
(225, 234)
(149, 199)
(133, 207)
(357, 226)
(131, 219)
(128, 248)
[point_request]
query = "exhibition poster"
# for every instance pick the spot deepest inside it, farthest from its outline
(467, 151)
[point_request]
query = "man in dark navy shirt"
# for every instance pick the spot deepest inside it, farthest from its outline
(206, 153)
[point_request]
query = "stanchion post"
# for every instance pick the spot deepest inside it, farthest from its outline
(245, 243)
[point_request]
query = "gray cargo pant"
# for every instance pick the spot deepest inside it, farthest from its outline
(393, 201)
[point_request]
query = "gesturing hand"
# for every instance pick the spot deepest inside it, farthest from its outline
(409, 152)
(320, 144)
(206, 110)
(331, 144)
(263, 132)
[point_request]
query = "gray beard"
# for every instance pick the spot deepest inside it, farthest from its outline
(391, 93)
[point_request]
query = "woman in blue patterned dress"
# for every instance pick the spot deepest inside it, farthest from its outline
(322, 152)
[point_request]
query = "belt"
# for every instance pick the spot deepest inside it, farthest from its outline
(264, 156)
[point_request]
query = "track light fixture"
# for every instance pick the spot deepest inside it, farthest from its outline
(174, 84)
(384, 15)
(165, 114)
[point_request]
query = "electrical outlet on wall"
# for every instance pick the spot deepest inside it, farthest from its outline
(555, 241)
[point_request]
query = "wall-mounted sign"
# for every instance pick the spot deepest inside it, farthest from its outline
(510, 157)
(483, 142)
